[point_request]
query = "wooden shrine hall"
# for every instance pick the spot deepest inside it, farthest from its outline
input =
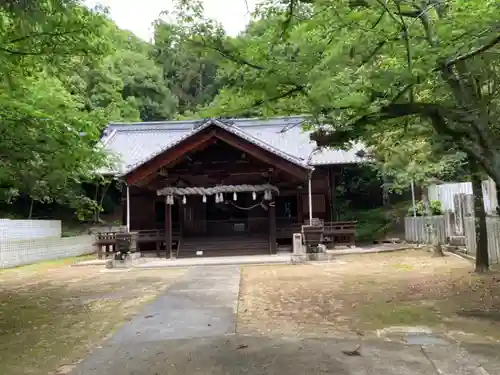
(224, 187)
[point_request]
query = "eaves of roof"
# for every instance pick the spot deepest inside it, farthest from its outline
(229, 128)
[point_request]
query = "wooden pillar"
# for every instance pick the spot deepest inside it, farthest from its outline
(300, 208)
(182, 215)
(272, 228)
(333, 196)
(128, 208)
(168, 229)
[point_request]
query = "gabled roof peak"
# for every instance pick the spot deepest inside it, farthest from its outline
(135, 143)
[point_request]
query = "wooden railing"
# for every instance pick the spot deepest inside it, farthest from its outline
(342, 232)
(335, 232)
(107, 240)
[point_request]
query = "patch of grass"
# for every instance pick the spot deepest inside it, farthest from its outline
(377, 315)
(402, 267)
(45, 265)
(54, 317)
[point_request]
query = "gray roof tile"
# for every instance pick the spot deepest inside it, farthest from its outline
(136, 143)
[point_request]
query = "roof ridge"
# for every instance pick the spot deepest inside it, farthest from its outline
(236, 121)
(150, 129)
(108, 137)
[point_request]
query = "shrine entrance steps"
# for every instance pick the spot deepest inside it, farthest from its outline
(223, 246)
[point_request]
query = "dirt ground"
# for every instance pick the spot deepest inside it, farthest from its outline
(51, 314)
(362, 293)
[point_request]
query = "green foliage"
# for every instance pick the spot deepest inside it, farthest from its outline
(65, 72)
(189, 70)
(130, 86)
(47, 142)
(375, 224)
(372, 224)
(435, 207)
(411, 79)
(413, 154)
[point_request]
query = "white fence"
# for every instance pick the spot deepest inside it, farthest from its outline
(29, 229)
(417, 229)
(493, 226)
(445, 193)
(17, 253)
(30, 241)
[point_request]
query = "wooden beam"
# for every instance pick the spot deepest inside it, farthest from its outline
(169, 156)
(261, 154)
(190, 153)
(272, 228)
(228, 168)
(147, 180)
(300, 210)
(168, 229)
(333, 189)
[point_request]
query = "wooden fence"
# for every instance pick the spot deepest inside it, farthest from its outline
(493, 225)
(418, 229)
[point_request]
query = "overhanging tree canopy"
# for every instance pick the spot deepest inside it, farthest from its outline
(358, 64)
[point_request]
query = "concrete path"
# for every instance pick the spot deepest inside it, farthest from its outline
(231, 355)
(203, 303)
(191, 330)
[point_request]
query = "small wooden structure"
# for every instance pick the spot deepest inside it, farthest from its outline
(340, 233)
(331, 233)
(126, 242)
(106, 242)
(312, 236)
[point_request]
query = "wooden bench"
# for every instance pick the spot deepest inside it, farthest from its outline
(108, 240)
(157, 236)
(341, 232)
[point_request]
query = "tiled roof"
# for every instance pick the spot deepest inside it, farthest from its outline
(136, 143)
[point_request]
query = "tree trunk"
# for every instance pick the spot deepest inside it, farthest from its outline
(96, 211)
(482, 256)
(437, 249)
(385, 193)
(32, 203)
(497, 188)
(107, 184)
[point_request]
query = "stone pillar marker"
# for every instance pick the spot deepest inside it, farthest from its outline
(299, 249)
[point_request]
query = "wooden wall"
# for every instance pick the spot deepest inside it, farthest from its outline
(142, 209)
(323, 195)
(143, 202)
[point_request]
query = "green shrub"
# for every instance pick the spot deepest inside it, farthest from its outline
(371, 224)
(435, 207)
